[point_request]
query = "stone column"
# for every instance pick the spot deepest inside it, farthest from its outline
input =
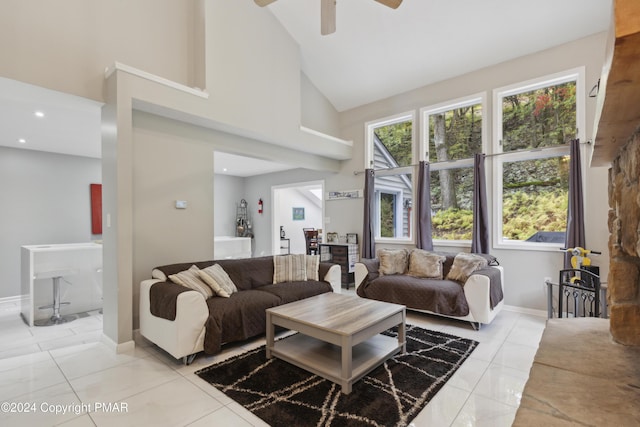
(624, 244)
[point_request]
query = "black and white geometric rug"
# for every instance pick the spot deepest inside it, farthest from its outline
(391, 395)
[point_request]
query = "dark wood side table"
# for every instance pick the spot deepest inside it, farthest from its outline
(343, 254)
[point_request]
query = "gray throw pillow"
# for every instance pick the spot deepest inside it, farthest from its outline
(393, 261)
(463, 265)
(425, 264)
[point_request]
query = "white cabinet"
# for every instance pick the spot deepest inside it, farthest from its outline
(227, 247)
(79, 266)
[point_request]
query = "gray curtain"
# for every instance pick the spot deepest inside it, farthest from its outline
(480, 237)
(424, 239)
(368, 233)
(575, 212)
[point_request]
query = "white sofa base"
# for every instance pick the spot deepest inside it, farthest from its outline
(184, 335)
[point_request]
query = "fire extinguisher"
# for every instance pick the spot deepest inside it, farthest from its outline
(260, 204)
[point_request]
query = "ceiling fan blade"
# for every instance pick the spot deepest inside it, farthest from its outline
(327, 17)
(393, 4)
(263, 3)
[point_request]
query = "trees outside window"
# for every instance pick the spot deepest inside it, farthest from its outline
(452, 134)
(534, 123)
(528, 162)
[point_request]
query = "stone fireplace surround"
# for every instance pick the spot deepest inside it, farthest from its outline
(624, 243)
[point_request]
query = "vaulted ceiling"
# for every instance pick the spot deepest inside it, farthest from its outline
(377, 51)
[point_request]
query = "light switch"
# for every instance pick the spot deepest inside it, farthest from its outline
(181, 204)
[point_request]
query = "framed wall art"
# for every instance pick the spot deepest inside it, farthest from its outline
(96, 208)
(344, 194)
(298, 214)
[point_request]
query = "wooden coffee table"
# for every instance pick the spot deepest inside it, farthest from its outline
(339, 335)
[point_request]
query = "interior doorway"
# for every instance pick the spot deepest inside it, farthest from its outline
(50, 155)
(295, 206)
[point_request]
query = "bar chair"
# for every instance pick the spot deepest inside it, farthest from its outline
(56, 318)
(311, 238)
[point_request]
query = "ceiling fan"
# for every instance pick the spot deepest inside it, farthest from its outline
(328, 12)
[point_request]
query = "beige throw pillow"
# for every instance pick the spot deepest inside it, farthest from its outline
(313, 263)
(157, 274)
(219, 280)
(190, 279)
(463, 265)
(425, 264)
(392, 261)
(289, 268)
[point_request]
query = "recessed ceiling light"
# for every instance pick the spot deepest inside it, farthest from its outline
(224, 169)
(39, 114)
(22, 141)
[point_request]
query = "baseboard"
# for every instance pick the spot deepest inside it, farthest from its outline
(523, 310)
(118, 348)
(14, 299)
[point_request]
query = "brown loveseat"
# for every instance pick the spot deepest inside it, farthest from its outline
(183, 322)
(475, 296)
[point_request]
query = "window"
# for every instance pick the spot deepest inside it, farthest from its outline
(452, 135)
(394, 199)
(391, 154)
(534, 123)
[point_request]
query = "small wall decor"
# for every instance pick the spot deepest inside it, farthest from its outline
(344, 194)
(243, 221)
(96, 208)
(298, 214)
(352, 238)
(332, 238)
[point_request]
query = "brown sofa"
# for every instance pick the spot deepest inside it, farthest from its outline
(182, 322)
(478, 299)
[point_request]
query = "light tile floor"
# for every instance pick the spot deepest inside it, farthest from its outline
(65, 367)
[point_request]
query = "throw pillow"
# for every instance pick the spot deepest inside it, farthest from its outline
(219, 280)
(289, 268)
(463, 265)
(313, 263)
(158, 274)
(425, 264)
(393, 261)
(190, 279)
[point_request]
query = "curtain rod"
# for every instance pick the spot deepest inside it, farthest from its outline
(531, 150)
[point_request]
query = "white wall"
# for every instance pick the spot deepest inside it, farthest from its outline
(45, 200)
(253, 65)
(316, 111)
(65, 45)
(524, 270)
(182, 169)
